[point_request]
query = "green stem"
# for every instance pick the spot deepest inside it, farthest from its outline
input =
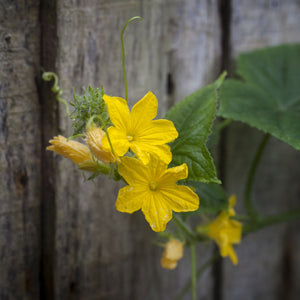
(194, 271)
(271, 220)
(200, 271)
(241, 218)
(184, 227)
(123, 54)
(90, 122)
(251, 175)
(109, 141)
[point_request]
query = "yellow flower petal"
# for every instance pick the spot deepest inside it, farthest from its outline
(130, 199)
(158, 132)
(172, 175)
(234, 231)
(229, 251)
(233, 256)
(133, 171)
(180, 198)
(144, 111)
(232, 201)
(142, 151)
(73, 150)
(152, 141)
(118, 111)
(118, 139)
(143, 155)
(163, 152)
(156, 211)
(156, 169)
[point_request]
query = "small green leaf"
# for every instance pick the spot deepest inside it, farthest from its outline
(212, 198)
(269, 99)
(193, 118)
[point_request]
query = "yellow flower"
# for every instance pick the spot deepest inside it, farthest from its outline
(153, 189)
(94, 137)
(173, 252)
(136, 129)
(225, 231)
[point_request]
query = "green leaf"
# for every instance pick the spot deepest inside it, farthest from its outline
(212, 198)
(193, 118)
(269, 98)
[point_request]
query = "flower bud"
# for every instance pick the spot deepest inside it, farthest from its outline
(173, 252)
(93, 138)
(73, 150)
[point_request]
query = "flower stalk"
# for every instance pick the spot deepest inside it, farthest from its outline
(123, 53)
(200, 271)
(251, 176)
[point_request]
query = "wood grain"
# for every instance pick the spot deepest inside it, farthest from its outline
(19, 151)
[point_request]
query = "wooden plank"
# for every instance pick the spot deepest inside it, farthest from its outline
(268, 260)
(101, 253)
(19, 151)
(49, 126)
(258, 23)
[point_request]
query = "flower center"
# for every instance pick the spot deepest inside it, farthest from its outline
(153, 185)
(130, 138)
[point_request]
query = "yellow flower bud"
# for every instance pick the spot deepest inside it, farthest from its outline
(94, 137)
(173, 252)
(75, 151)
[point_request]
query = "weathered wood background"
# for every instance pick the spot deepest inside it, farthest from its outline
(61, 237)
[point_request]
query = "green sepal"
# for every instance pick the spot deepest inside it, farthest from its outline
(95, 167)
